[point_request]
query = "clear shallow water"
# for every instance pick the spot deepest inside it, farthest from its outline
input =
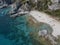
(14, 31)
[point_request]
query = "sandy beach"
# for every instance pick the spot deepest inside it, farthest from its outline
(43, 17)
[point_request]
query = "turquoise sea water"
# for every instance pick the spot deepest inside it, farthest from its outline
(14, 31)
(4, 26)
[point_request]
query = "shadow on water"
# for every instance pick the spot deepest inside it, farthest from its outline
(6, 27)
(4, 21)
(4, 24)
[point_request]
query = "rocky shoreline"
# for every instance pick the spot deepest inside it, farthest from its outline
(20, 8)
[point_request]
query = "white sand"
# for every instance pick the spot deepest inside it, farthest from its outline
(42, 17)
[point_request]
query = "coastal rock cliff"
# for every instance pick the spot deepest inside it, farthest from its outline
(46, 6)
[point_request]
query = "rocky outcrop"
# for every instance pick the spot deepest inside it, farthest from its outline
(9, 1)
(55, 5)
(3, 4)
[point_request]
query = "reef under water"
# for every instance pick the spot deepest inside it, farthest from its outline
(15, 31)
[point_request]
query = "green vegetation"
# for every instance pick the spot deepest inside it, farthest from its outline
(43, 6)
(58, 40)
(53, 13)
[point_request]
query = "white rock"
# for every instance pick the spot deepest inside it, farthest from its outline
(42, 17)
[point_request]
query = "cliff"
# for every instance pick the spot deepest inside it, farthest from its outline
(46, 6)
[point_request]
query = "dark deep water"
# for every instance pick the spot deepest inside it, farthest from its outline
(5, 27)
(14, 31)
